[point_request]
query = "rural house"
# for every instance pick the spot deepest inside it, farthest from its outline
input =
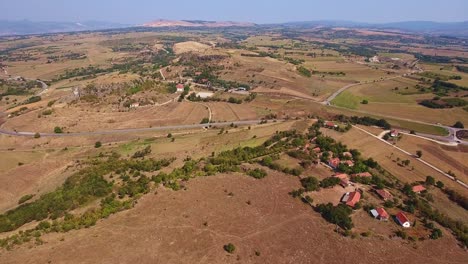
(380, 214)
(351, 198)
(330, 124)
(403, 220)
(418, 188)
(384, 194)
(334, 163)
(180, 88)
(394, 133)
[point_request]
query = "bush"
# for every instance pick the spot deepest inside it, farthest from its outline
(436, 233)
(58, 130)
(37, 135)
(230, 248)
(365, 102)
(205, 120)
(330, 182)
(458, 124)
(430, 180)
(25, 198)
(98, 144)
(257, 173)
(310, 184)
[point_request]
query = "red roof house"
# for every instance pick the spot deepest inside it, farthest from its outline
(180, 87)
(351, 198)
(394, 133)
(418, 188)
(350, 163)
(384, 194)
(380, 214)
(330, 124)
(334, 163)
(402, 219)
(383, 215)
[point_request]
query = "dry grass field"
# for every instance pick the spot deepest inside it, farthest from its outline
(192, 225)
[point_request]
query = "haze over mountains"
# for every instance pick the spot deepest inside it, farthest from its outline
(24, 27)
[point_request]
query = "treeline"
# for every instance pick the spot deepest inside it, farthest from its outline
(365, 120)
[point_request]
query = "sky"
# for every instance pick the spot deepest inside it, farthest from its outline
(257, 11)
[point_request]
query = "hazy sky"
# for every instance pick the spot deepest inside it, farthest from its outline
(259, 11)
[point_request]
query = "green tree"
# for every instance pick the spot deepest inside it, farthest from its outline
(98, 144)
(310, 184)
(458, 124)
(365, 101)
(430, 180)
(440, 184)
(58, 130)
(419, 153)
(37, 135)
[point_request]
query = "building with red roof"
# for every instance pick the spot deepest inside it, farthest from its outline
(350, 163)
(384, 194)
(394, 133)
(402, 220)
(380, 214)
(180, 87)
(334, 163)
(316, 150)
(418, 188)
(351, 198)
(330, 124)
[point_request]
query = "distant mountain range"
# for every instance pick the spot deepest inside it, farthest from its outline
(196, 23)
(25, 27)
(424, 27)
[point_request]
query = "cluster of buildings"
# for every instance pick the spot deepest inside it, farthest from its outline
(352, 198)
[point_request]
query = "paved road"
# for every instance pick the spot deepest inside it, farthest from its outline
(413, 156)
(129, 130)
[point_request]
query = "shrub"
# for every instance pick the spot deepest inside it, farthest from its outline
(230, 248)
(25, 198)
(37, 135)
(98, 144)
(257, 173)
(58, 130)
(205, 120)
(458, 124)
(364, 101)
(330, 182)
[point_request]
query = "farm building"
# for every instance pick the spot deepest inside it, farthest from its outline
(380, 214)
(418, 188)
(384, 194)
(351, 198)
(180, 88)
(403, 220)
(394, 133)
